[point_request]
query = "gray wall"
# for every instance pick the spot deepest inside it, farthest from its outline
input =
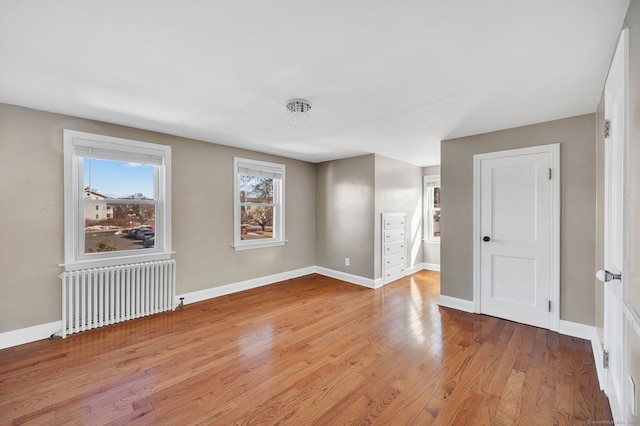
(31, 229)
(431, 250)
(351, 195)
(578, 221)
(345, 191)
(398, 188)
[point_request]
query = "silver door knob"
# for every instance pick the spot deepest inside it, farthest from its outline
(606, 276)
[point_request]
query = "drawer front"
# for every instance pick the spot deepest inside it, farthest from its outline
(393, 235)
(393, 260)
(394, 273)
(394, 247)
(394, 222)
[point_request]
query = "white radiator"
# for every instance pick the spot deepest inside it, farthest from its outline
(97, 297)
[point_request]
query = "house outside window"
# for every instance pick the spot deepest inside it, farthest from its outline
(258, 204)
(114, 187)
(432, 209)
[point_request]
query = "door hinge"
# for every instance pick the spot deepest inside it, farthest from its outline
(607, 128)
(549, 173)
(549, 305)
(605, 358)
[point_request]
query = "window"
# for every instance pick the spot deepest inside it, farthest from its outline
(113, 188)
(258, 204)
(432, 208)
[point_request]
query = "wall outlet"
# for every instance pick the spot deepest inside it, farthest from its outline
(346, 261)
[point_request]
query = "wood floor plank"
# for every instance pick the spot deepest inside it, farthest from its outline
(311, 350)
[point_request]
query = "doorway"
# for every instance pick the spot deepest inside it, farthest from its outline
(516, 235)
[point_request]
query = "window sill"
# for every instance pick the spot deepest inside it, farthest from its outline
(249, 246)
(114, 261)
(427, 241)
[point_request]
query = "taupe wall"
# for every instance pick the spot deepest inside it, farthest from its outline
(31, 212)
(578, 221)
(431, 250)
(351, 195)
(398, 188)
(345, 191)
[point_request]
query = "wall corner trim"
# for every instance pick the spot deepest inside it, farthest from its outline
(455, 303)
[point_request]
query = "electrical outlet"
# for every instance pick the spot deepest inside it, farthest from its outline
(346, 261)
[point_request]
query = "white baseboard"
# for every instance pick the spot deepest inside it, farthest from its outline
(350, 278)
(575, 329)
(210, 293)
(431, 266)
(423, 266)
(29, 334)
(596, 347)
(455, 303)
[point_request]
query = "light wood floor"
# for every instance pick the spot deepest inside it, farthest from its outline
(311, 350)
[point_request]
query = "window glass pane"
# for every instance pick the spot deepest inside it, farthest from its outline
(118, 226)
(256, 189)
(118, 179)
(436, 223)
(256, 222)
(436, 197)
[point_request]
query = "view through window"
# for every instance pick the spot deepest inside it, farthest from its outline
(119, 205)
(432, 208)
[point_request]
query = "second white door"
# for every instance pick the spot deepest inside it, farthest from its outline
(517, 234)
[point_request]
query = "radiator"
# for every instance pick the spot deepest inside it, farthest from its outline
(97, 297)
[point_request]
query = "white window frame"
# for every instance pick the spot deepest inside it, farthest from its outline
(76, 144)
(278, 204)
(430, 182)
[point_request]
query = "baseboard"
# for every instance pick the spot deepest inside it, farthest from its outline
(210, 293)
(29, 334)
(423, 266)
(596, 347)
(575, 329)
(455, 303)
(350, 278)
(431, 266)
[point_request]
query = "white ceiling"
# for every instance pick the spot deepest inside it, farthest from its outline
(387, 77)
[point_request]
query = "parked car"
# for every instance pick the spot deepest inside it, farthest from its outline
(146, 234)
(140, 231)
(150, 242)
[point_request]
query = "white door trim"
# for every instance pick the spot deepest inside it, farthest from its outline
(554, 281)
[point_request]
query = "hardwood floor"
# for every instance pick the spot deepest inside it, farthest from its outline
(312, 350)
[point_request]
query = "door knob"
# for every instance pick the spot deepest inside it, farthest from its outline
(486, 238)
(606, 276)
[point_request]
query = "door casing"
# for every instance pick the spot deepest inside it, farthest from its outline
(554, 237)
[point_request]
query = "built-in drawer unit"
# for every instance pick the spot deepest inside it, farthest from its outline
(393, 246)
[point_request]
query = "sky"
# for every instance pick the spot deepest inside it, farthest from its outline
(118, 178)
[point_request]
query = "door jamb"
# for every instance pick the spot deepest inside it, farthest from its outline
(554, 283)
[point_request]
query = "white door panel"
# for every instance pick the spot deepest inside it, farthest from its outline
(515, 257)
(614, 230)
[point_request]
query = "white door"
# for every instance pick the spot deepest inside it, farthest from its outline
(516, 237)
(614, 187)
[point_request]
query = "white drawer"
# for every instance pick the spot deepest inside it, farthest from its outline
(393, 260)
(394, 273)
(393, 235)
(394, 222)
(394, 247)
